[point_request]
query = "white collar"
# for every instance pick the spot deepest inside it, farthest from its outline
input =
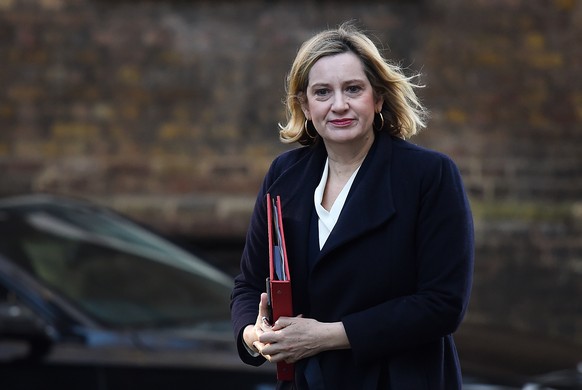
(328, 219)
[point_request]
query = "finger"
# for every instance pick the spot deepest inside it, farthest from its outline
(280, 324)
(284, 322)
(278, 357)
(265, 322)
(290, 360)
(263, 305)
(267, 338)
(262, 302)
(262, 317)
(263, 326)
(260, 347)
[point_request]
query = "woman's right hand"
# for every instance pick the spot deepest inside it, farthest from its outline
(251, 333)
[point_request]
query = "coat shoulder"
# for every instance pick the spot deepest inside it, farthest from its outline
(407, 149)
(413, 157)
(288, 159)
(291, 156)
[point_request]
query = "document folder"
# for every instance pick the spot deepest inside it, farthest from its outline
(279, 280)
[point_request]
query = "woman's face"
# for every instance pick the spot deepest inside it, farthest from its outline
(340, 100)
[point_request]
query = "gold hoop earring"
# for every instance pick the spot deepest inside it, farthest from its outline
(382, 119)
(306, 129)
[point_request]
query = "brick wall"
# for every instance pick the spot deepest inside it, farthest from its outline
(168, 111)
(504, 88)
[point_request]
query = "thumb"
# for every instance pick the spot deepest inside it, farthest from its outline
(263, 306)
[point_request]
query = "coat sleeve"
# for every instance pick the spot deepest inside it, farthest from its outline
(443, 254)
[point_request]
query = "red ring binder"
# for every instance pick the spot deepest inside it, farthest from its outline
(279, 280)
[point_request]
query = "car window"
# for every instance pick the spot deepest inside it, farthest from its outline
(98, 222)
(97, 225)
(118, 281)
(124, 289)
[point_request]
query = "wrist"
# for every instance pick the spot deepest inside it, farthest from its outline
(249, 338)
(336, 336)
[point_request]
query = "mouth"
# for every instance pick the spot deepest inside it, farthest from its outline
(342, 122)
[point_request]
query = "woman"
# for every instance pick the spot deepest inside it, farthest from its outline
(378, 232)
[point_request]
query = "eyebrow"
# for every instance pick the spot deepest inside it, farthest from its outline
(351, 81)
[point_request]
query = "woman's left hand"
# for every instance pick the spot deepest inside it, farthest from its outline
(293, 338)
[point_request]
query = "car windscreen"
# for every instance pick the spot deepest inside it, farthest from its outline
(118, 281)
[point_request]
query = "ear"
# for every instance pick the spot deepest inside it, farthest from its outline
(378, 104)
(304, 106)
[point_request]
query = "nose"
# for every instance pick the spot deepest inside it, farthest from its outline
(339, 102)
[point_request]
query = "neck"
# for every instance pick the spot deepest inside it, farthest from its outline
(344, 160)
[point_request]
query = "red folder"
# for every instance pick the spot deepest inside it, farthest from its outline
(279, 280)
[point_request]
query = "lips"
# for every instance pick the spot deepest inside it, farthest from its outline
(342, 122)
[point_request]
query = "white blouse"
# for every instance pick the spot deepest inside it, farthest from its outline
(328, 219)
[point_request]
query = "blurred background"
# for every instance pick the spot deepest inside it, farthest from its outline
(167, 111)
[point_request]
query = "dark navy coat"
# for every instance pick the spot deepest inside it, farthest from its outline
(396, 269)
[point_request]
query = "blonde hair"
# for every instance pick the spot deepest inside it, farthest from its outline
(402, 111)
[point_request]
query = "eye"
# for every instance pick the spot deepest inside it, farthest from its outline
(321, 92)
(353, 89)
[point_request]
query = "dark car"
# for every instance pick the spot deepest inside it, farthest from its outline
(91, 300)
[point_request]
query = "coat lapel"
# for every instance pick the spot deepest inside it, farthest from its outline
(369, 201)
